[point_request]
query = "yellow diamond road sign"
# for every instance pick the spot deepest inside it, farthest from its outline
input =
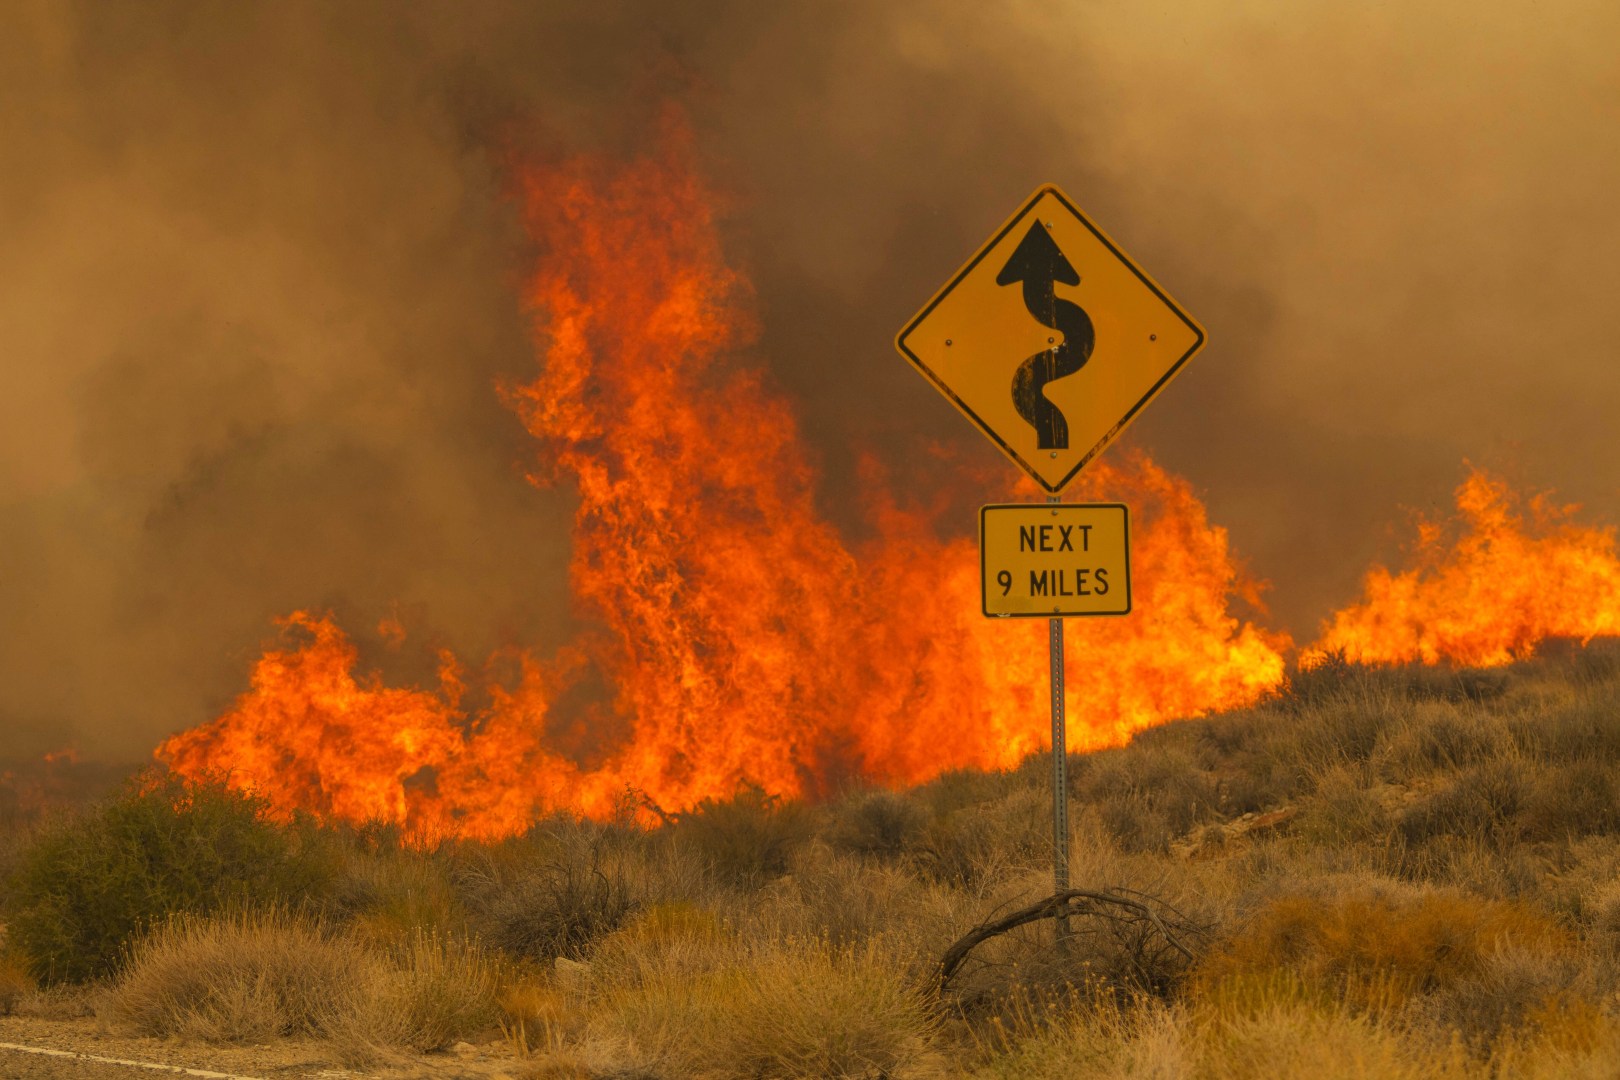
(1051, 339)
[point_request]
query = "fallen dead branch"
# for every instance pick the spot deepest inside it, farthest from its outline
(1137, 911)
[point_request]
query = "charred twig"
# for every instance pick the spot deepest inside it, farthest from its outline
(645, 801)
(1071, 902)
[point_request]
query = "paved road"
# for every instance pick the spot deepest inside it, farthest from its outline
(81, 1042)
(36, 1048)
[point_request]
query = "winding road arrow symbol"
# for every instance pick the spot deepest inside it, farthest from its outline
(1041, 266)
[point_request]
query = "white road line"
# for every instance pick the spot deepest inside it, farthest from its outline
(120, 1061)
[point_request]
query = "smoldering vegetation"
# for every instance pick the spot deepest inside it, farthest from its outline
(1380, 872)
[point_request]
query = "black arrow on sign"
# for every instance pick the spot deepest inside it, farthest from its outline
(1039, 263)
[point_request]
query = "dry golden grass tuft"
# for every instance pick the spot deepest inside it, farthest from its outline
(785, 1011)
(426, 993)
(247, 976)
(256, 975)
(1381, 947)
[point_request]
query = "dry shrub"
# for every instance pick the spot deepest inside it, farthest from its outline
(1291, 1033)
(1511, 986)
(767, 1012)
(877, 824)
(1482, 803)
(747, 839)
(1577, 798)
(1514, 800)
(1375, 947)
(845, 900)
(1150, 792)
(662, 944)
(1137, 821)
(1346, 730)
(1081, 1037)
(959, 789)
(540, 911)
(251, 976)
(237, 978)
(1436, 735)
(1571, 723)
(433, 990)
(1304, 1039)
(389, 894)
(539, 1018)
(1342, 810)
(15, 983)
(1108, 951)
(822, 1012)
(1602, 908)
(988, 840)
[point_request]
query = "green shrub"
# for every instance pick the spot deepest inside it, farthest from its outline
(86, 885)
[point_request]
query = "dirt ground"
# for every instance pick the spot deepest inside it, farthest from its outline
(147, 1059)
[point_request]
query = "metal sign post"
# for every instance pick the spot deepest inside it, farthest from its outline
(1052, 378)
(1060, 770)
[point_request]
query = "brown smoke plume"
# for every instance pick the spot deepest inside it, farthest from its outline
(258, 277)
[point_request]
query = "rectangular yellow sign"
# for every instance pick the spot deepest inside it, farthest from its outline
(1046, 560)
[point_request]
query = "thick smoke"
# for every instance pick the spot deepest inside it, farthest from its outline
(259, 278)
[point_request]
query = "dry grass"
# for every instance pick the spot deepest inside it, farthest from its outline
(729, 1009)
(1442, 898)
(240, 978)
(252, 976)
(426, 993)
(1382, 945)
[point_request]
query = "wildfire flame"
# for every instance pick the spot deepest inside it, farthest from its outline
(744, 639)
(1485, 588)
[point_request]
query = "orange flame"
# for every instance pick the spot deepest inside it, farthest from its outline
(1486, 588)
(744, 640)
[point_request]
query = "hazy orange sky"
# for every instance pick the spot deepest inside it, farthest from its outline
(259, 277)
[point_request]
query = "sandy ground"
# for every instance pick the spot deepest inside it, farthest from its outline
(284, 1060)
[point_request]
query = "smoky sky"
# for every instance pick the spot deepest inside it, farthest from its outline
(260, 276)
